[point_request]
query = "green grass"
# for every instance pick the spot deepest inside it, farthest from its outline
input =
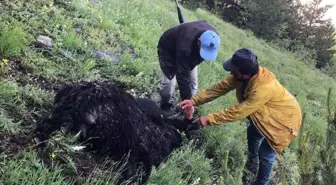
(132, 28)
(26, 168)
(12, 40)
(185, 166)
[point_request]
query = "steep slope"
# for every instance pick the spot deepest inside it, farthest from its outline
(83, 30)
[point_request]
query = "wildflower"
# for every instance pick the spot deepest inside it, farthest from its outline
(52, 155)
(5, 61)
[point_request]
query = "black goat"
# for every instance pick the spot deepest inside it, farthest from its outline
(158, 116)
(115, 123)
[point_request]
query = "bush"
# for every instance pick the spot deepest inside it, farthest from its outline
(8, 125)
(325, 169)
(12, 40)
(72, 41)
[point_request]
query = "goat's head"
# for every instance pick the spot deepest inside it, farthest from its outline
(184, 125)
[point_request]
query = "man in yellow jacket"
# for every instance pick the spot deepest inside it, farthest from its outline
(274, 113)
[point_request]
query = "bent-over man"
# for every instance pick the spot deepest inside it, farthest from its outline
(180, 50)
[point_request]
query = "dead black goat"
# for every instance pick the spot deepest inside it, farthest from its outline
(114, 123)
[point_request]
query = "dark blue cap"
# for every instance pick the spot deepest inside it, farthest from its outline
(242, 58)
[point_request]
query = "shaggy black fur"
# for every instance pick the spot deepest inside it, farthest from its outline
(158, 116)
(114, 123)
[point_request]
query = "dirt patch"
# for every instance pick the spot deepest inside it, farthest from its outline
(24, 75)
(39, 81)
(11, 144)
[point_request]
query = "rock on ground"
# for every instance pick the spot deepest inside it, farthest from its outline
(45, 41)
(106, 55)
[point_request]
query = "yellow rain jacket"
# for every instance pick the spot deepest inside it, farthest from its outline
(273, 110)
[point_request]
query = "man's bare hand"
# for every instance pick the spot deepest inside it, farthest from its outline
(186, 104)
(203, 120)
(188, 112)
(188, 108)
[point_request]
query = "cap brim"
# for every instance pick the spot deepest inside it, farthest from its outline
(209, 56)
(228, 66)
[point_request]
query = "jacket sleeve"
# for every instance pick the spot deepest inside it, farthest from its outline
(183, 74)
(223, 87)
(255, 99)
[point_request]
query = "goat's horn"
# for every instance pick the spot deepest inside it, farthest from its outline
(37, 141)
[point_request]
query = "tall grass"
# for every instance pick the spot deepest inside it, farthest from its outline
(26, 168)
(185, 166)
(132, 29)
(12, 40)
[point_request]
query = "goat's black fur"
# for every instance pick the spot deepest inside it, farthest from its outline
(115, 123)
(158, 116)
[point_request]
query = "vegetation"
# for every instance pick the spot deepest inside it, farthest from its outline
(131, 29)
(298, 27)
(12, 40)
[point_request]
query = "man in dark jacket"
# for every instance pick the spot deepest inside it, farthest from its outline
(180, 50)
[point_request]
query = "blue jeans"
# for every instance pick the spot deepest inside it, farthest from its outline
(258, 147)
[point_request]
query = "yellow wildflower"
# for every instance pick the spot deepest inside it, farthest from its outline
(52, 155)
(5, 61)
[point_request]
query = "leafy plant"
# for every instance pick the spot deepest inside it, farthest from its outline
(10, 100)
(224, 145)
(8, 125)
(72, 41)
(12, 40)
(325, 171)
(307, 153)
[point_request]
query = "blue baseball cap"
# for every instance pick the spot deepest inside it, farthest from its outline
(209, 45)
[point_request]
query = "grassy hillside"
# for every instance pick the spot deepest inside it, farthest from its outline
(131, 29)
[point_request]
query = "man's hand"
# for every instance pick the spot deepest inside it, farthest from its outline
(188, 112)
(188, 108)
(186, 104)
(203, 120)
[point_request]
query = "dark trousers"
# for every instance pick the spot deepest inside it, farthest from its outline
(258, 148)
(167, 86)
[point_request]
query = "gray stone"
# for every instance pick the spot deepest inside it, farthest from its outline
(106, 55)
(45, 41)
